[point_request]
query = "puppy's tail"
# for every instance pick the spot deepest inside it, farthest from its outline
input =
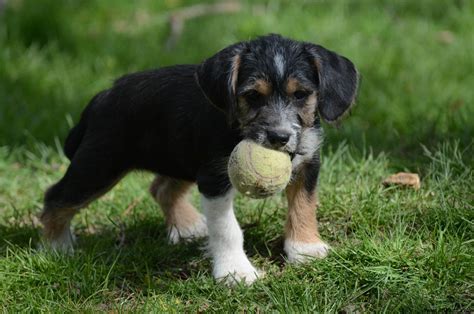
(77, 133)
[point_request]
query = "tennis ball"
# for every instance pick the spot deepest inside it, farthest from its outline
(257, 171)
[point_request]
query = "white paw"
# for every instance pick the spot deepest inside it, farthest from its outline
(232, 271)
(61, 244)
(190, 233)
(299, 252)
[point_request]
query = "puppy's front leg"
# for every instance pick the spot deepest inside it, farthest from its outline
(226, 241)
(302, 239)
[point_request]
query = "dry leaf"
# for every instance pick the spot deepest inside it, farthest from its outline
(403, 179)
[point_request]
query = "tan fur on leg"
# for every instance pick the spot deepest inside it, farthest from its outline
(56, 231)
(301, 231)
(301, 222)
(182, 219)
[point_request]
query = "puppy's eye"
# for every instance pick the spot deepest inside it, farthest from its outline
(301, 94)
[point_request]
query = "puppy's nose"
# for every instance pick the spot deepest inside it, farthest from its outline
(278, 137)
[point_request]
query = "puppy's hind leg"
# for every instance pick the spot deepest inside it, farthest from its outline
(90, 175)
(183, 220)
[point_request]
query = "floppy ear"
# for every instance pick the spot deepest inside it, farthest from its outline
(338, 82)
(217, 78)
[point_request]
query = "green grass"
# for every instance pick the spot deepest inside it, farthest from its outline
(55, 56)
(394, 250)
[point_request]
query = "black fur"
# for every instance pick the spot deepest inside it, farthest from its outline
(214, 78)
(338, 82)
(175, 121)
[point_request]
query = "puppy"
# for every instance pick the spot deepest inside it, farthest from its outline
(182, 122)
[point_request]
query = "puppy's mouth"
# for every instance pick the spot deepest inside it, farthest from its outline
(289, 149)
(261, 141)
(260, 138)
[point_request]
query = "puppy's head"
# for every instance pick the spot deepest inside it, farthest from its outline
(273, 87)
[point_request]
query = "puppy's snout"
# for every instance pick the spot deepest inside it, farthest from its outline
(278, 137)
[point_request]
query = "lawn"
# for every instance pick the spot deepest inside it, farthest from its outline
(394, 249)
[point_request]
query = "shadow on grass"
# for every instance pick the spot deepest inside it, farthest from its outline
(20, 236)
(137, 257)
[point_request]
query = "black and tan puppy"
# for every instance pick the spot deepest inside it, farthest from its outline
(182, 122)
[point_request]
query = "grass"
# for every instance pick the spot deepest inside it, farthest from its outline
(394, 250)
(415, 58)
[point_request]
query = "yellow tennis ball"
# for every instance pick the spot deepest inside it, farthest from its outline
(257, 171)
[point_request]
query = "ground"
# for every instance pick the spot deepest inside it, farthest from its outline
(394, 249)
